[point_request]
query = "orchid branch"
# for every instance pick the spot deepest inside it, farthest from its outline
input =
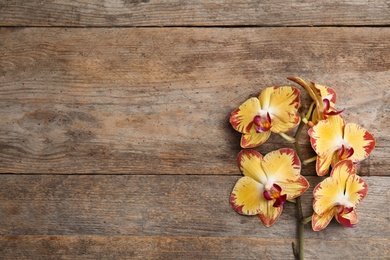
(299, 253)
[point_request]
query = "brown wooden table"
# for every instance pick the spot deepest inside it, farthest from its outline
(115, 140)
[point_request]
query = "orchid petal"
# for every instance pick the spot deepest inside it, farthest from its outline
(326, 136)
(282, 104)
(247, 197)
(253, 139)
(327, 93)
(283, 168)
(265, 97)
(335, 112)
(356, 189)
(281, 164)
(320, 222)
(326, 196)
(242, 118)
(360, 139)
(326, 104)
(295, 187)
(323, 164)
(270, 213)
(249, 162)
(341, 172)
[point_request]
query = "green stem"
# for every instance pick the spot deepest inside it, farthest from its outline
(300, 252)
(308, 114)
(292, 201)
(309, 160)
(300, 229)
(306, 220)
(288, 138)
(296, 137)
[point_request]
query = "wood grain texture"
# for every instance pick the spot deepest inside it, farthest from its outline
(176, 216)
(133, 247)
(115, 141)
(193, 13)
(157, 101)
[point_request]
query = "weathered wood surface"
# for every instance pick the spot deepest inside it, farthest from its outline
(150, 247)
(157, 101)
(115, 142)
(167, 217)
(194, 13)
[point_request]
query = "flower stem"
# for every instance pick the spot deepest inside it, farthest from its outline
(292, 201)
(308, 114)
(310, 160)
(288, 138)
(299, 253)
(306, 220)
(296, 137)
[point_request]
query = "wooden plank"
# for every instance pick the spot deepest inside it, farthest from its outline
(177, 216)
(194, 13)
(93, 247)
(157, 101)
(160, 206)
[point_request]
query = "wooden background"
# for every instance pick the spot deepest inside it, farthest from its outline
(114, 135)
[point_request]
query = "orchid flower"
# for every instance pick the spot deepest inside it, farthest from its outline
(323, 97)
(267, 183)
(337, 196)
(333, 141)
(275, 110)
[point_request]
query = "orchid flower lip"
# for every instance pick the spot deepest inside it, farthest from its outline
(347, 210)
(273, 192)
(345, 222)
(328, 97)
(345, 149)
(345, 153)
(326, 103)
(342, 211)
(280, 201)
(262, 121)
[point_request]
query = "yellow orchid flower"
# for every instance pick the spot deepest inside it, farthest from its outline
(324, 99)
(333, 141)
(337, 196)
(267, 183)
(275, 110)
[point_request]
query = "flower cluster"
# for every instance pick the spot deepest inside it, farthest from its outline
(271, 180)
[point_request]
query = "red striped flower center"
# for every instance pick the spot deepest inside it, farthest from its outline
(344, 152)
(263, 123)
(274, 193)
